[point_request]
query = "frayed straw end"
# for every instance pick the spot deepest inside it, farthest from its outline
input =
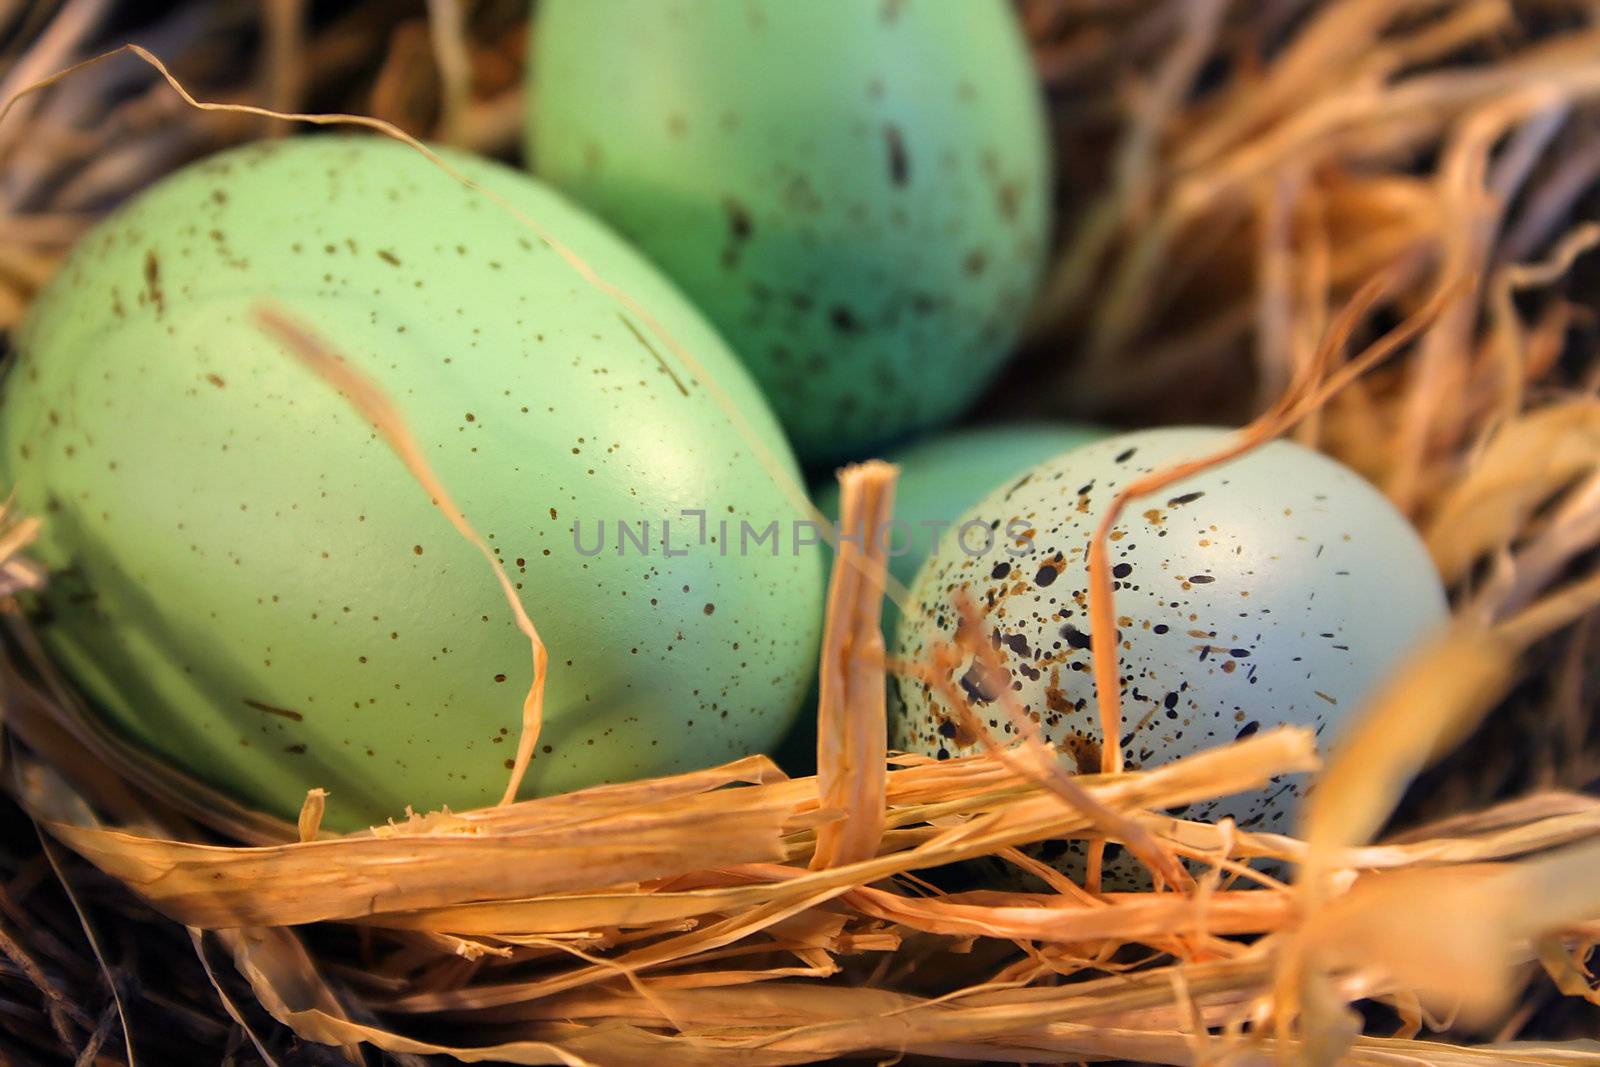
(852, 717)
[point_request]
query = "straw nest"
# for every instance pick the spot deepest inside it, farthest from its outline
(1369, 210)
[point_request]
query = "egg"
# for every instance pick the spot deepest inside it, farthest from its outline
(942, 476)
(248, 582)
(854, 193)
(1277, 588)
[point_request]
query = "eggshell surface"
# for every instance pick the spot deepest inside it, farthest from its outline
(942, 476)
(249, 583)
(1278, 588)
(854, 193)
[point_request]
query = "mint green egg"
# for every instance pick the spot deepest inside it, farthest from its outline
(248, 582)
(855, 193)
(943, 476)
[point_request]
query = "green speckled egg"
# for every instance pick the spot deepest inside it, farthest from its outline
(941, 477)
(249, 583)
(855, 193)
(1277, 588)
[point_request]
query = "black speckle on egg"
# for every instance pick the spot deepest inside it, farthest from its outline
(899, 159)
